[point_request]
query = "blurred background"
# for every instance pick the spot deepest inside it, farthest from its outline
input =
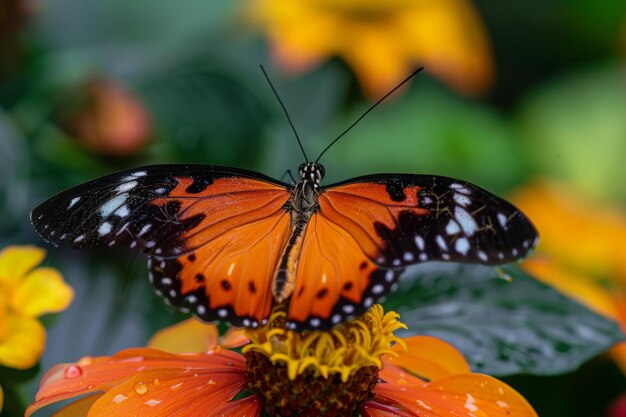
(526, 99)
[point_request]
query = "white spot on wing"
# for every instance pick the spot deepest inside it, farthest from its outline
(467, 222)
(503, 220)
(462, 200)
(441, 243)
(378, 289)
(452, 228)
(112, 205)
(408, 257)
(460, 188)
(127, 186)
(79, 238)
(122, 211)
(105, 228)
(73, 201)
(144, 229)
(140, 174)
(482, 256)
(462, 246)
(419, 241)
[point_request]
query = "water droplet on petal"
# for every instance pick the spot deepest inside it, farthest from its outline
(211, 382)
(73, 371)
(156, 381)
(141, 388)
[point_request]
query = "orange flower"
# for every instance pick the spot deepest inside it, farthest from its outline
(581, 252)
(382, 41)
(420, 376)
(108, 119)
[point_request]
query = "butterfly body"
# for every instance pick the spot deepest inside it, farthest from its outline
(227, 244)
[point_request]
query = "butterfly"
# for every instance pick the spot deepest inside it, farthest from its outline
(227, 244)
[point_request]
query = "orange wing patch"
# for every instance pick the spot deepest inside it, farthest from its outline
(230, 276)
(227, 260)
(334, 277)
(368, 204)
(223, 205)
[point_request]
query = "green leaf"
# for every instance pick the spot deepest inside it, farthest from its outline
(502, 327)
(206, 116)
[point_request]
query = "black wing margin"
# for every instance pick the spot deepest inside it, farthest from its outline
(116, 210)
(463, 222)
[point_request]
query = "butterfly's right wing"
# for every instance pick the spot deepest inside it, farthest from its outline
(213, 235)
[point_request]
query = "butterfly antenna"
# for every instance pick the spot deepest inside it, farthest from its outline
(286, 113)
(369, 110)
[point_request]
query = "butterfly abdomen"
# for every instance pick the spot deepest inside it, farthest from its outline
(304, 202)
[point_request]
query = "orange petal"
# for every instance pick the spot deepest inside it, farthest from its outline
(194, 336)
(187, 336)
(573, 283)
(584, 234)
(471, 395)
(167, 391)
(78, 408)
(90, 375)
(428, 358)
(233, 338)
(381, 407)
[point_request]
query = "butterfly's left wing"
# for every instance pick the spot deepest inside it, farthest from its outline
(213, 234)
(368, 229)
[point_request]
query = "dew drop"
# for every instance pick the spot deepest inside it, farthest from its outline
(211, 382)
(141, 388)
(73, 371)
(156, 381)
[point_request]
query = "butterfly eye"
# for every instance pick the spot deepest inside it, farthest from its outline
(320, 172)
(302, 170)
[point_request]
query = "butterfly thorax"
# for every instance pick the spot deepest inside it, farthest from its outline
(302, 204)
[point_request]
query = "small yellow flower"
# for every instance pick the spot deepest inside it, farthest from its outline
(26, 293)
(382, 41)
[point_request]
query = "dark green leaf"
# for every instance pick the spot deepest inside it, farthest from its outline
(502, 327)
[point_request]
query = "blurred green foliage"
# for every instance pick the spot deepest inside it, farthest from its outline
(558, 108)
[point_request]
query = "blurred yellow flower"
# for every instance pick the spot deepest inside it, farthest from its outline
(581, 252)
(26, 293)
(382, 41)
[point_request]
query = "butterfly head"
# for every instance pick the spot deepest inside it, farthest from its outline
(313, 172)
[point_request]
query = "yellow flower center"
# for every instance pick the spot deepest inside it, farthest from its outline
(330, 372)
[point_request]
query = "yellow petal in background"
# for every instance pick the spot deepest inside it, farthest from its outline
(382, 42)
(586, 235)
(22, 341)
(185, 337)
(16, 262)
(572, 283)
(42, 291)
